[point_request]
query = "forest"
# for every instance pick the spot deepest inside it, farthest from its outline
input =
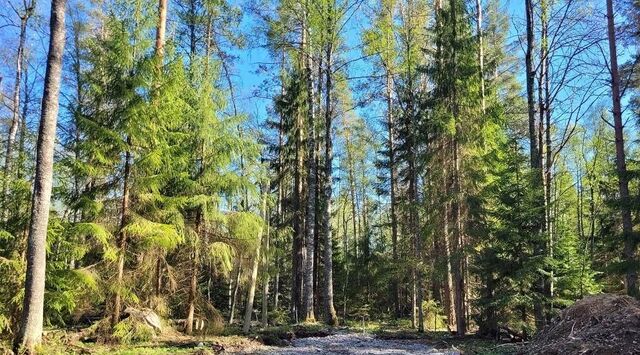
(465, 169)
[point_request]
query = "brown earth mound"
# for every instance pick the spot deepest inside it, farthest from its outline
(602, 324)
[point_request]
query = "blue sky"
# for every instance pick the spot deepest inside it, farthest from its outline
(248, 78)
(246, 74)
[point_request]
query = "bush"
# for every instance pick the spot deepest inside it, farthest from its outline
(434, 318)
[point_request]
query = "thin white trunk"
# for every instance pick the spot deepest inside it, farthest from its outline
(246, 325)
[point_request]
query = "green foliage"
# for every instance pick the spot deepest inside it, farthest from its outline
(79, 234)
(153, 234)
(434, 316)
(131, 331)
(169, 132)
(507, 262)
(245, 228)
(222, 254)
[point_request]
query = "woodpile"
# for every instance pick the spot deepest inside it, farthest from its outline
(601, 324)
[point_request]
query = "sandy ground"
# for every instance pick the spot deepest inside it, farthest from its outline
(353, 343)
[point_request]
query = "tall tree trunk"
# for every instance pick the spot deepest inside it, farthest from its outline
(458, 228)
(330, 315)
(530, 75)
(534, 150)
(480, 53)
(30, 333)
(308, 313)
(298, 252)
(548, 151)
(15, 114)
(540, 172)
(280, 202)
(159, 51)
(22, 139)
(449, 294)
(393, 185)
(161, 29)
(629, 254)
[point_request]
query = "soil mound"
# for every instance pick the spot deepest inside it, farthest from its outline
(601, 324)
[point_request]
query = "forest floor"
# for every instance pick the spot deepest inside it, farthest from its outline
(356, 343)
(375, 339)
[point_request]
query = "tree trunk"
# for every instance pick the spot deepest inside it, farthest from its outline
(533, 141)
(265, 281)
(122, 237)
(459, 245)
(330, 315)
(248, 311)
(298, 252)
(15, 115)
(534, 150)
(193, 288)
(392, 187)
(161, 29)
(458, 229)
(265, 271)
(480, 53)
(629, 254)
(280, 205)
(30, 333)
(236, 286)
(548, 151)
(308, 314)
(193, 279)
(414, 298)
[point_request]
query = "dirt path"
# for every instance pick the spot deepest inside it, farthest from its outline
(352, 344)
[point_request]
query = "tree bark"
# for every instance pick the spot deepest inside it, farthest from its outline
(308, 313)
(534, 149)
(248, 311)
(265, 281)
(393, 184)
(15, 114)
(530, 76)
(298, 252)
(480, 53)
(236, 286)
(193, 278)
(30, 333)
(122, 237)
(193, 288)
(630, 244)
(330, 315)
(161, 29)
(548, 151)
(458, 228)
